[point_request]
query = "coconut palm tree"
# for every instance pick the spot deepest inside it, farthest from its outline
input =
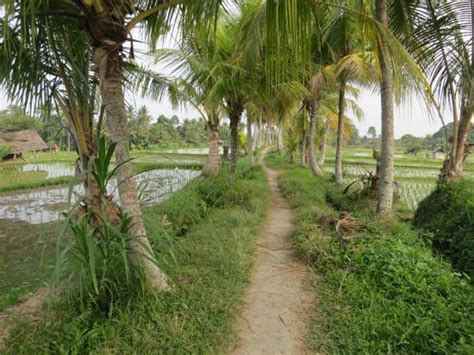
(47, 73)
(238, 80)
(57, 67)
(440, 37)
(387, 172)
(351, 63)
(108, 25)
(331, 116)
(194, 62)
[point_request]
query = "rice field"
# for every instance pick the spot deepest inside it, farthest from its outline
(416, 176)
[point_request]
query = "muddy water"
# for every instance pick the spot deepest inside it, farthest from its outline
(47, 204)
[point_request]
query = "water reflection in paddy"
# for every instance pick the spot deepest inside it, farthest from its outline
(45, 205)
(53, 170)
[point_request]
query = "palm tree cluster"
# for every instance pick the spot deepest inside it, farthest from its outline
(292, 66)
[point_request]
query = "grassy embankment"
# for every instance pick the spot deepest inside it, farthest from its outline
(12, 178)
(382, 292)
(204, 236)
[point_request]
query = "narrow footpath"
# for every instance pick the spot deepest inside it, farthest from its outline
(278, 301)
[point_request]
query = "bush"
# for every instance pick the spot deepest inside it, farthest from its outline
(5, 149)
(447, 217)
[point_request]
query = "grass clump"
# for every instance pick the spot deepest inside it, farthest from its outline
(382, 292)
(447, 217)
(209, 264)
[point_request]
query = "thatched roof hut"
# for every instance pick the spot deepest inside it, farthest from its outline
(439, 153)
(23, 141)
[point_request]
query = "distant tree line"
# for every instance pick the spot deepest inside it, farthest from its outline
(409, 142)
(168, 132)
(145, 131)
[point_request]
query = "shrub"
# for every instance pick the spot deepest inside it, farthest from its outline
(447, 216)
(5, 149)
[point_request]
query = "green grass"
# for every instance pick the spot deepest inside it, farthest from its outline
(29, 253)
(385, 291)
(13, 185)
(204, 236)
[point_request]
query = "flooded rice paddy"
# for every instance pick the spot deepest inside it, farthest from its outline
(54, 170)
(45, 205)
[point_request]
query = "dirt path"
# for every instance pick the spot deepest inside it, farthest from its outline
(275, 316)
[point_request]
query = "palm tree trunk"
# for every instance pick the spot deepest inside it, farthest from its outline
(68, 141)
(324, 147)
(234, 116)
(303, 151)
(250, 143)
(111, 87)
(461, 148)
(340, 131)
(312, 135)
(212, 163)
(279, 138)
(386, 177)
(256, 136)
(467, 110)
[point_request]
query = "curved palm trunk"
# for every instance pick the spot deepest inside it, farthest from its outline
(110, 80)
(340, 132)
(250, 143)
(386, 177)
(303, 151)
(312, 135)
(212, 163)
(234, 116)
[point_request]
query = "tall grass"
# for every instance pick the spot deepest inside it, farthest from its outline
(95, 269)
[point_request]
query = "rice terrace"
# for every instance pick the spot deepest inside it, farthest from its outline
(236, 177)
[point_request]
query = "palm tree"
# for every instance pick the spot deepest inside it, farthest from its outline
(108, 25)
(347, 42)
(238, 79)
(440, 37)
(331, 117)
(47, 72)
(386, 177)
(194, 61)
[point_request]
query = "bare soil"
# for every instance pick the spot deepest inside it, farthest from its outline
(275, 316)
